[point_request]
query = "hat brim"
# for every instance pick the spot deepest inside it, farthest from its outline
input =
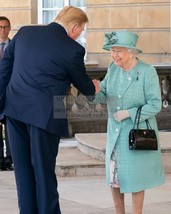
(108, 47)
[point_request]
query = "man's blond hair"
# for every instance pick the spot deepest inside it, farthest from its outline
(70, 15)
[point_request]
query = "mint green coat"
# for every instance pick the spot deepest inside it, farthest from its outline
(137, 170)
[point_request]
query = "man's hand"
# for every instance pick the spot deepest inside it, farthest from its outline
(97, 85)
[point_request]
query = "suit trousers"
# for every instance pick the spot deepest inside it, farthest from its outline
(34, 152)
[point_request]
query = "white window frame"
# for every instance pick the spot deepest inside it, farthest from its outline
(41, 9)
(81, 39)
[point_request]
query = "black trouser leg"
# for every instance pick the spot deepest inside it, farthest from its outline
(8, 158)
(1, 148)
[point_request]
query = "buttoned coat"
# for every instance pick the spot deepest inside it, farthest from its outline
(137, 170)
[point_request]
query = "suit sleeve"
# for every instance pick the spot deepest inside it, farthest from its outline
(78, 75)
(6, 66)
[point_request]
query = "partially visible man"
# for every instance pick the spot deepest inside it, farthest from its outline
(5, 158)
(36, 71)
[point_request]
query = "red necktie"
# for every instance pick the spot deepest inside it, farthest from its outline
(2, 50)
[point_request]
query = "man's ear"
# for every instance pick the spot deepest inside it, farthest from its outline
(72, 31)
(74, 28)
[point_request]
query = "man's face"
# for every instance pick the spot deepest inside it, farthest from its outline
(4, 29)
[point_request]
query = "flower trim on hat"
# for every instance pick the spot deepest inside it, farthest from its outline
(110, 38)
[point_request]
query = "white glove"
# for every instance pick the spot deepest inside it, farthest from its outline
(121, 115)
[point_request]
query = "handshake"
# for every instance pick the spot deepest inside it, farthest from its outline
(97, 85)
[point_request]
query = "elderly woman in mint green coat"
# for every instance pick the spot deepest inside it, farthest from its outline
(128, 84)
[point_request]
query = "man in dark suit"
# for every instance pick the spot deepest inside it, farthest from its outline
(36, 71)
(5, 157)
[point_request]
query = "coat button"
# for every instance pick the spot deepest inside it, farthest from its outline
(116, 129)
(129, 78)
(118, 107)
(119, 96)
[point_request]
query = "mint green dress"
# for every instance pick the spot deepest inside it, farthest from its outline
(136, 170)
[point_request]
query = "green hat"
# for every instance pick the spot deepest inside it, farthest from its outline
(125, 39)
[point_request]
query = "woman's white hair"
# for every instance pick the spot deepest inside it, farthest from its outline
(133, 51)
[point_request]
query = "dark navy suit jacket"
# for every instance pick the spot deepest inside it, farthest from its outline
(36, 71)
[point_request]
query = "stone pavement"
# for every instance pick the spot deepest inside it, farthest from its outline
(87, 195)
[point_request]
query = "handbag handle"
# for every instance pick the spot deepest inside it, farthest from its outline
(137, 118)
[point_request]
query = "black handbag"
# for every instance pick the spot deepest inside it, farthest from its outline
(142, 139)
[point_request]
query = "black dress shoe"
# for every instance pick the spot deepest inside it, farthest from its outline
(2, 167)
(9, 167)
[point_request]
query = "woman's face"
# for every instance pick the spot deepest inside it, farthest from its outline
(121, 56)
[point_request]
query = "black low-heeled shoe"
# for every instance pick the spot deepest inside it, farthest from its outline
(2, 167)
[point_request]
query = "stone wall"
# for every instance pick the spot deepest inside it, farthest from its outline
(85, 118)
(150, 19)
(20, 12)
